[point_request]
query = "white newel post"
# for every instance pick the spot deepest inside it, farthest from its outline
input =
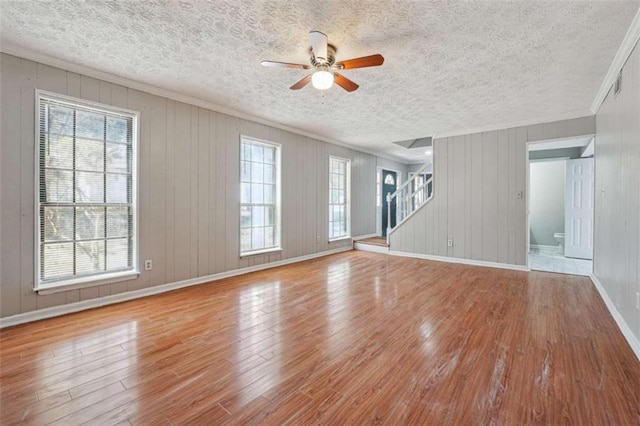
(388, 215)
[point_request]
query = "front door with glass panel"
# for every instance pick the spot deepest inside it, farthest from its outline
(389, 179)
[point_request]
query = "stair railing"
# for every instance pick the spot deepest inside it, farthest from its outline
(409, 199)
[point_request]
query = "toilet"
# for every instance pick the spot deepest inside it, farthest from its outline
(559, 236)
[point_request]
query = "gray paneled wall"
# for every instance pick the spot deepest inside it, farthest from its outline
(617, 219)
(477, 178)
(188, 187)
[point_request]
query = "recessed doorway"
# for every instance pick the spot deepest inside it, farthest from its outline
(560, 205)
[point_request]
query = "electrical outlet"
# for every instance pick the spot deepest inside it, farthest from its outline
(449, 243)
(317, 239)
(638, 300)
(148, 265)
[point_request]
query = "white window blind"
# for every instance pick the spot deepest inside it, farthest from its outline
(339, 197)
(86, 185)
(259, 196)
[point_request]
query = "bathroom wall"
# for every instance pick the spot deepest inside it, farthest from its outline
(546, 202)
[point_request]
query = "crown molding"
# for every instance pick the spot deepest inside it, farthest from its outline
(624, 51)
(15, 50)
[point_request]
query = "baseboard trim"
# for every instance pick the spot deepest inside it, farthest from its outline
(543, 247)
(622, 324)
(384, 250)
(461, 261)
(150, 291)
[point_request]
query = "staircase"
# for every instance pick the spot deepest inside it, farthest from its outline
(374, 244)
(409, 198)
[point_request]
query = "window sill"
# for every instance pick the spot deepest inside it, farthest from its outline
(333, 240)
(85, 282)
(259, 252)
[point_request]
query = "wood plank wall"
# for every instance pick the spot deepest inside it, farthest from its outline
(188, 187)
(476, 181)
(617, 218)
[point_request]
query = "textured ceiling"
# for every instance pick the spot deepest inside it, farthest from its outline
(450, 68)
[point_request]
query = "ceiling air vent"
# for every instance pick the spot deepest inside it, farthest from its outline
(416, 143)
(617, 86)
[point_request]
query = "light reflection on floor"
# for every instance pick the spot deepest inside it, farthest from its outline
(122, 340)
(338, 306)
(259, 310)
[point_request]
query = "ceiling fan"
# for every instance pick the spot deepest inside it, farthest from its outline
(324, 65)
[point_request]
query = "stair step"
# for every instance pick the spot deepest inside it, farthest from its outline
(375, 248)
(375, 241)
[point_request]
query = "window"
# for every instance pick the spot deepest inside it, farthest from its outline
(85, 192)
(389, 180)
(259, 197)
(339, 208)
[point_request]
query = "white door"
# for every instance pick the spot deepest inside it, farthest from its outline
(578, 209)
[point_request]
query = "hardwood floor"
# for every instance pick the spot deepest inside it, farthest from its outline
(351, 338)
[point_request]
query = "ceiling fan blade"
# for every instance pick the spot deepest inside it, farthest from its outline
(284, 65)
(344, 82)
(318, 44)
(300, 84)
(365, 61)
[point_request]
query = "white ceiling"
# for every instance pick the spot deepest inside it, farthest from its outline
(450, 67)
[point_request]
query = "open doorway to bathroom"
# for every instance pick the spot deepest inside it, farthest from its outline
(561, 188)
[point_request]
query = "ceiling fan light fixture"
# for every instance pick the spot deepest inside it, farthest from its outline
(322, 79)
(322, 56)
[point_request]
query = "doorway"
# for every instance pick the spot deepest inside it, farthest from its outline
(560, 206)
(389, 184)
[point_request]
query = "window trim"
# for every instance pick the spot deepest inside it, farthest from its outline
(347, 198)
(97, 279)
(278, 200)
